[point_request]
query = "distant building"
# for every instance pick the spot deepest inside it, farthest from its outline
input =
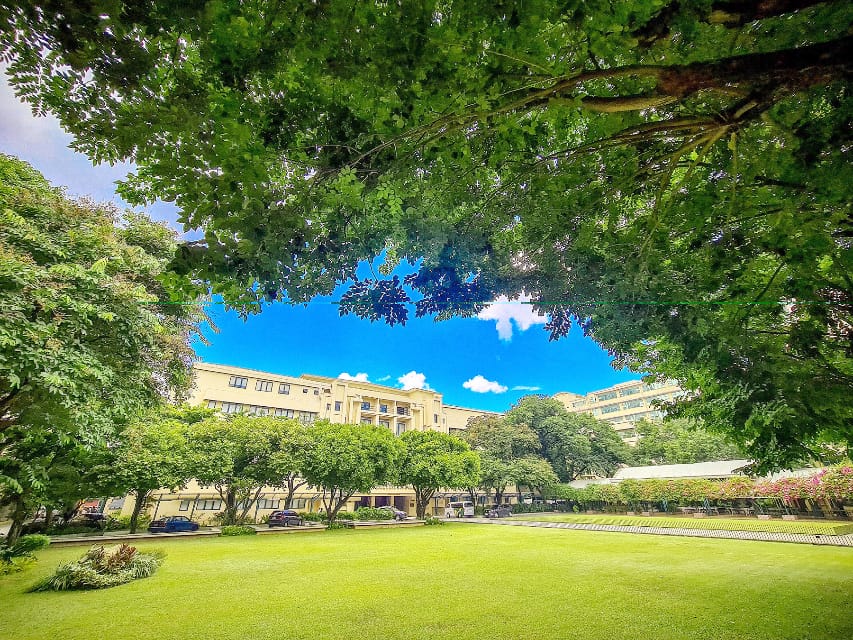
(622, 405)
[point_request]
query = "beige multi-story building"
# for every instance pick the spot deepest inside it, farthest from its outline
(307, 398)
(622, 405)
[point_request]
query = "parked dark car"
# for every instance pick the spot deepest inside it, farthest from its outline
(171, 524)
(285, 518)
(398, 515)
(498, 511)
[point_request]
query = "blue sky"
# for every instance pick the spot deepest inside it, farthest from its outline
(485, 363)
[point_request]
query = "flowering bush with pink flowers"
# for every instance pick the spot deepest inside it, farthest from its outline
(835, 483)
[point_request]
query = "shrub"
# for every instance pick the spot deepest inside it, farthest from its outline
(345, 515)
(312, 517)
(20, 554)
(370, 513)
(433, 520)
(237, 530)
(336, 525)
(100, 568)
(117, 523)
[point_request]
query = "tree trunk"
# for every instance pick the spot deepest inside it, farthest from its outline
(141, 496)
(19, 514)
(229, 516)
(292, 486)
(422, 498)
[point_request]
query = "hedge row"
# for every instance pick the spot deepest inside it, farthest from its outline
(827, 484)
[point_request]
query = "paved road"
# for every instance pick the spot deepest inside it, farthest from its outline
(798, 538)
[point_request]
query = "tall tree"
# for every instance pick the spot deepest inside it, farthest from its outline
(151, 454)
(431, 460)
(344, 459)
(575, 444)
(84, 345)
(287, 458)
(509, 454)
(670, 173)
(680, 442)
(234, 454)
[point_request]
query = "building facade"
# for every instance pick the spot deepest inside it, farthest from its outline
(622, 405)
(307, 398)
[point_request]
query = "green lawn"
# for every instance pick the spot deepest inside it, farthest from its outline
(714, 522)
(455, 581)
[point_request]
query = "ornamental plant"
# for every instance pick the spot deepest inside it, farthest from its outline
(101, 567)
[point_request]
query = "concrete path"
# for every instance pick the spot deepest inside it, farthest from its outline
(798, 538)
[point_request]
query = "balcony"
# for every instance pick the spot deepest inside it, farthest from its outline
(404, 412)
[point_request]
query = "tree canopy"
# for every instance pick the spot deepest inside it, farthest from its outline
(575, 444)
(672, 174)
(431, 460)
(150, 454)
(680, 442)
(343, 459)
(82, 347)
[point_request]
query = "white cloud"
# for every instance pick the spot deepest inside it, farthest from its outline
(521, 387)
(413, 380)
(505, 311)
(478, 384)
(383, 379)
(360, 377)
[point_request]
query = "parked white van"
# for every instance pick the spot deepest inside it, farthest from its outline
(463, 509)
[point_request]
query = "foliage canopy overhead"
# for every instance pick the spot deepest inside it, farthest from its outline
(672, 174)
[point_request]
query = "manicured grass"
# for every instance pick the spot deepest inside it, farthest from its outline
(456, 581)
(713, 522)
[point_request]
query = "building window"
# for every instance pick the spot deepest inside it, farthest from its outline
(237, 381)
(629, 391)
(607, 396)
(255, 410)
(435, 418)
(316, 392)
(117, 503)
(383, 408)
(185, 505)
(400, 428)
(211, 404)
(631, 404)
(271, 503)
(209, 505)
(263, 385)
(365, 406)
(231, 407)
(304, 389)
(385, 423)
(285, 413)
(612, 408)
(337, 406)
(367, 421)
(283, 388)
(307, 417)
(402, 411)
(298, 503)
